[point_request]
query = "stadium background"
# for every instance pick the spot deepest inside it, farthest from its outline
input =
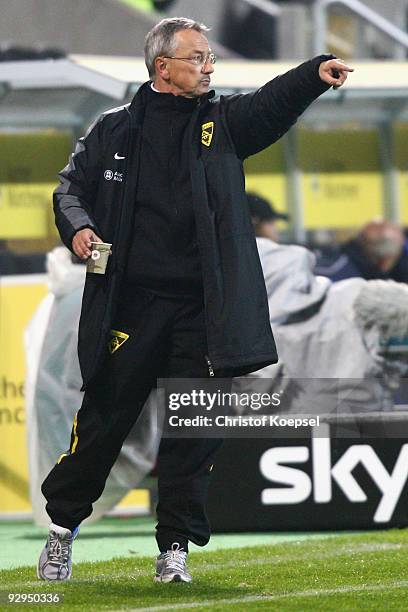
(345, 163)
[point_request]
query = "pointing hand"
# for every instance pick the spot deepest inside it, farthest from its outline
(334, 72)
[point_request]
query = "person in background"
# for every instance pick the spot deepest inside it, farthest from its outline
(264, 217)
(380, 251)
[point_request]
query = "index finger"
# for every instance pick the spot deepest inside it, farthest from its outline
(341, 66)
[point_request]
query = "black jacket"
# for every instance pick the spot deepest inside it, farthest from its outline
(98, 189)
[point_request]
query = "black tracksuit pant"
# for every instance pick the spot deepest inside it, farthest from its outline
(166, 340)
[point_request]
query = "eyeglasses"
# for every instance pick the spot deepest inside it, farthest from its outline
(198, 60)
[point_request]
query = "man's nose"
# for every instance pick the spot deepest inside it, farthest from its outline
(208, 67)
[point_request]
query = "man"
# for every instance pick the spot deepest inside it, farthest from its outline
(183, 295)
(264, 217)
(380, 251)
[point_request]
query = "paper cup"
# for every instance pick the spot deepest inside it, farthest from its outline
(97, 262)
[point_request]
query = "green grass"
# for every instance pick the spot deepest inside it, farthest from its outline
(350, 572)
(109, 538)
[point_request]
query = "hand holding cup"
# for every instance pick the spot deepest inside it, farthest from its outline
(82, 242)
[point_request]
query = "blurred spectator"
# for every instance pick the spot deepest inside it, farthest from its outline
(380, 251)
(264, 217)
(344, 331)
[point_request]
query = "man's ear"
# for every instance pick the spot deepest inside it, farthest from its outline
(161, 67)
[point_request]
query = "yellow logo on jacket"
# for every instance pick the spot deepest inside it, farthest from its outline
(118, 338)
(207, 133)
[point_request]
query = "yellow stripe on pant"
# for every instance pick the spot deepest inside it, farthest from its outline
(74, 443)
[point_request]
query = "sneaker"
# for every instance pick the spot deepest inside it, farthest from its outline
(55, 561)
(171, 565)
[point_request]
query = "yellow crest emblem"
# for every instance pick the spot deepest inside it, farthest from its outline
(207, 133)
(118, 338)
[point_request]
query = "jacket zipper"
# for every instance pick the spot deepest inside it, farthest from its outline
(207, 359)
(169, 167)
(209, 364)
(125, 188)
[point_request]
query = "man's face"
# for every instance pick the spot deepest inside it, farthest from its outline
(183, 77)
(382, 243)
(267, 229)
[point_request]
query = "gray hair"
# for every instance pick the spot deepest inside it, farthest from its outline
(160, 40)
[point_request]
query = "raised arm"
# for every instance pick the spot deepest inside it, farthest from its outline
(258, 119)
(74, 196)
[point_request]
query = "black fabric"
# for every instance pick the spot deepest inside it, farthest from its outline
(164, 254)
(236, 307)
(166, 339)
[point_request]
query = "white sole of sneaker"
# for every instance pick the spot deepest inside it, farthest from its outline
(175, 578)
(50, 580)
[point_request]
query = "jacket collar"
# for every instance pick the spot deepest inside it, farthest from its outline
(138, 103)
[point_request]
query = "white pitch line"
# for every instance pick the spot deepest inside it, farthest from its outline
(253, 598)
(210, 567)
(347, 550)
